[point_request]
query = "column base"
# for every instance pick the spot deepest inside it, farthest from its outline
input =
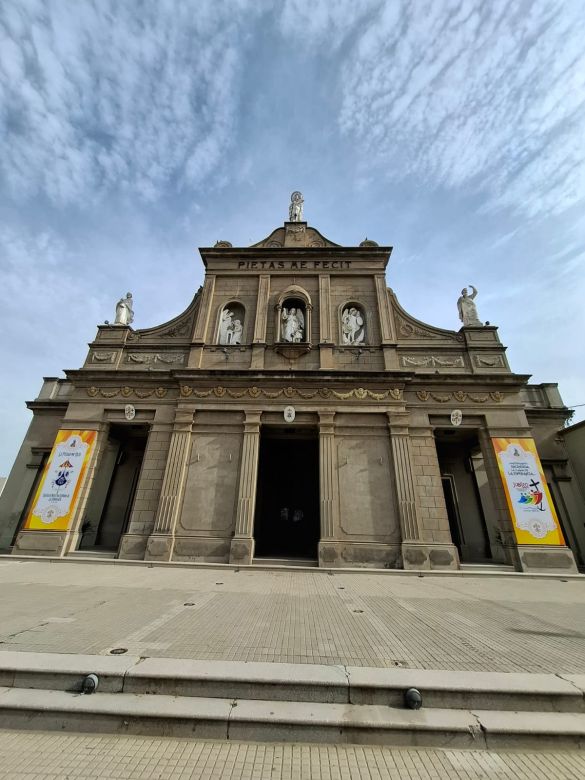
(205, 549)
(40, 543)
(133, 547)
(422, 555)
(551, 560)
(368, 555)
(242, 550)
(158, 547)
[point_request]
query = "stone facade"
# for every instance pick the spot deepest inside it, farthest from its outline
(395, 484)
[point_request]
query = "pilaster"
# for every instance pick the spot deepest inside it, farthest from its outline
(259, 338)
(160, 545)
(242, 546)
(328, 487)
(202, 322)
(422, 547)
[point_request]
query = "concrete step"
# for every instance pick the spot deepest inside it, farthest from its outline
(295, 682)
(303, 562)
(91, 555)
(278, 721)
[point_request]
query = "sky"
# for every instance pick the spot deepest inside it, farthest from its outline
(132, 133)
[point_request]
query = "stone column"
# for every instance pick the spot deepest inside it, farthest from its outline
(160, 542)
(328, 488)
(242, 547)
(405, 488)
(425, 545)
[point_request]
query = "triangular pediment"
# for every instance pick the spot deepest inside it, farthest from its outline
(295, 234)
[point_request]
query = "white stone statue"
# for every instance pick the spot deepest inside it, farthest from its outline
(295, 210)
(124, 311)
(230, 329)
(293, 325)
(352, 326)
(466, 307)
(237, 332)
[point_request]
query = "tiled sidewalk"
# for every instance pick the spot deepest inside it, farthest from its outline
(463, 622)
(53, 756)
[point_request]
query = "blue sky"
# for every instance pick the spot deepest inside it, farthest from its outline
(132, 133)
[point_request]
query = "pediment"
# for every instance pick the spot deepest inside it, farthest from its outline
(179, 329)
(295, 234)
(409, 329)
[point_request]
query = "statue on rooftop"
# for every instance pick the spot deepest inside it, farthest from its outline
(124, 311)
(295, 210)
(466, 307)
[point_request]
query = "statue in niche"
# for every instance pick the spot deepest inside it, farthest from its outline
(293, 325)
(466, 307)
(353, 330)
(124, 311)
(295, 210)
(230, 328)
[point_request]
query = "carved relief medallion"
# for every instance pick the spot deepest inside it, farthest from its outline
(456, 417)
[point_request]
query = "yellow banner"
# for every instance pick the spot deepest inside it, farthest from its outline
(58, 491)
(529, 500)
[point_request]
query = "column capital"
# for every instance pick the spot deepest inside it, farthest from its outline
(252, 420)
(326, 421)
(183, 419)
(398, 422)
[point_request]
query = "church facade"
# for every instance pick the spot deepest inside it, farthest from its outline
(296, 412)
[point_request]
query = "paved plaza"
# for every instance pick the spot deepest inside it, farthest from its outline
(41, 756)
(507, 623)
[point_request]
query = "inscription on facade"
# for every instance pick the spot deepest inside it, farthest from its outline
(291, 265)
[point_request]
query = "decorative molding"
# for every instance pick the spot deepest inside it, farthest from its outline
(433, 361)
(290, 392)
(125, 392)
(147, 358)
(292, 351)
(409, 331)
(489, 361)
(103, 357)
(179, 330)
(460, 396)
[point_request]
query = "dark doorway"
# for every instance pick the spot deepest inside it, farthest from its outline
(463, 480)
(112, 496)
(287, 499)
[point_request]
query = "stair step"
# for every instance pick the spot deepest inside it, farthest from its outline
(271, 721)
(304, 562)
(295, 682)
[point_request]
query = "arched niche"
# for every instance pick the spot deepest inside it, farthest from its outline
(353, 324)
(230, 326)
(293, 316)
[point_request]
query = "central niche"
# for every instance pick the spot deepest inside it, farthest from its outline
(293, 322)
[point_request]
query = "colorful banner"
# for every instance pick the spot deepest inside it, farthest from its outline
(58, 491)
(529, 500)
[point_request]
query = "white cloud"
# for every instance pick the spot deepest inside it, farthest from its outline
(463, 92)
(101, 96)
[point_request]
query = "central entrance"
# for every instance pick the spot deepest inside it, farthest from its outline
(286, 524)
